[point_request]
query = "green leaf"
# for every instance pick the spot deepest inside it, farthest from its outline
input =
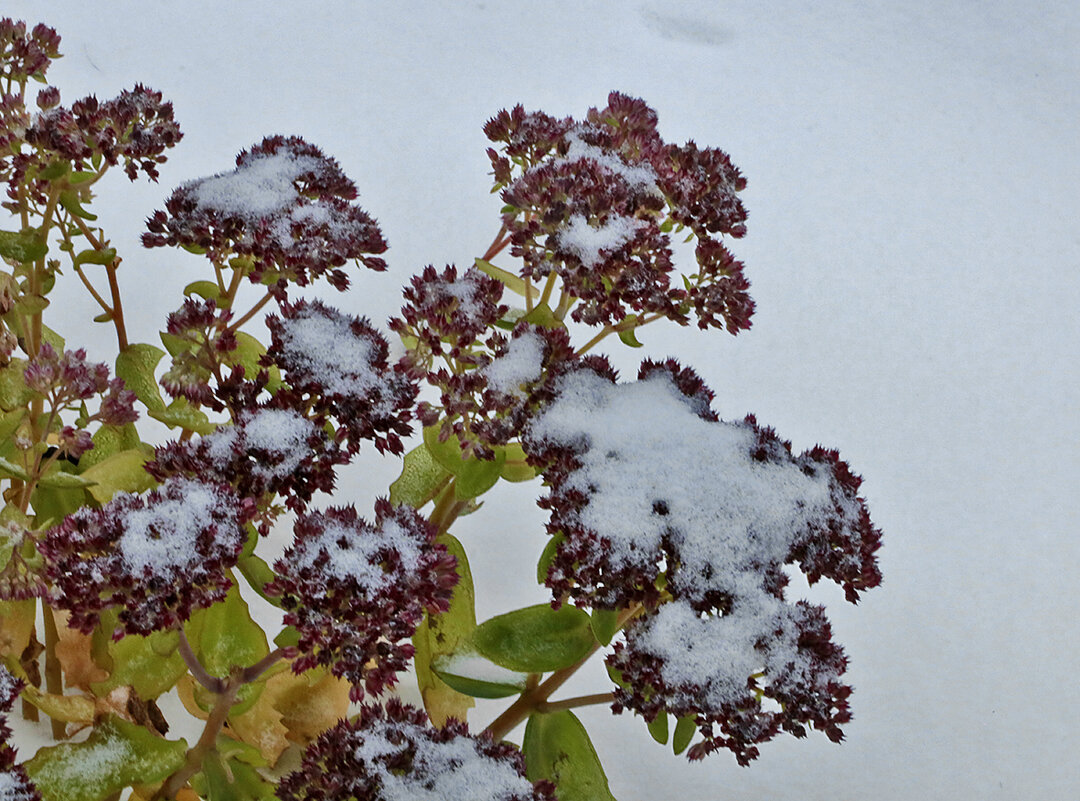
(477, 476)
(536, 639)
(23, 246)
(52, 504)
(56, 478)
(628, 336)
(105, 256)
(231, 779)
(258, 574)
(684, 733)
(9, 469)
(180, 413)
(121, 472)
(72, 203)
(224, 636)
(543, 316)
(477, 676)
(150, 664)
(204, 289)
(557, 748)
(135, 364)
(110, 439)
(14, 394)
(604, 623)
(445, 452)
(659, 728)
(57, 169)
(515, 469)
(118, 754)
(175, 345)
(548, 556)
(420, 479)
(442, 634)
(247, 353)
(509, 280)
(29, 305)
(66, 708)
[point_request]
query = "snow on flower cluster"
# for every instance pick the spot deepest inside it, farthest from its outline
(356, 591)
(392, 754)
(656, 501)
(286, 206)
(158, 557)
(595, 201)
(341, 363)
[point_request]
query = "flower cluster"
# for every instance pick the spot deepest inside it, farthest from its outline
(356, 591)
(15, 785)
(159, 557)
(485, 383)
(64, 380)
(271, 448)
(392, 753)
(594, 202)
(203, 339)
(26, 55)
(285, 208)
(136, 127)
(704, 557)
(340, 363)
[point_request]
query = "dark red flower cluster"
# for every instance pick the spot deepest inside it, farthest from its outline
(484, 378)
(202, 329)
(356, 591)
(25, 55)
(135, 128)
(66, 379)
(159, 556)
(271, 448)
(340, 363)
(15, 785)
(393, 753)
(637, 523)
(594, 201)
(286, 207)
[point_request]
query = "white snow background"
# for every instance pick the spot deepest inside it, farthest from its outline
(913, 249)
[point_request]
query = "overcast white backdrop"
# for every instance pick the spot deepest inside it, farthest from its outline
(913, 248)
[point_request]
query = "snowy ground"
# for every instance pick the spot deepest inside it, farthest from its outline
(913, 251)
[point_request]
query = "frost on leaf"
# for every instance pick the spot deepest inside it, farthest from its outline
(394, 754)
(659, 502)
(356, 591)
(159, 557)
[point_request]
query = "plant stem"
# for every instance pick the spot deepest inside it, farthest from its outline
(206, 744)
(535, 700)
(573, 703)
(251, 312)
(212, 683)
(54, 677)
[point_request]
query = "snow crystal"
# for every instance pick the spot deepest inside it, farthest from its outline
(639, 176)
(263, 185)
(282, 433)
(521, 363)
(586, 241)
(164, 535)
(7, 684)
(356, 555)
(475, 666)
(654, 469)
(13, 787)
(331, 352)
(453, 769)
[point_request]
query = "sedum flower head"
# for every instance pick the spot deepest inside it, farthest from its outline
(341, 363)
(654, 500)
(286, 207)
(392, 753)
(356, 591)
(595, 201)
(158, 557)
(26, 53)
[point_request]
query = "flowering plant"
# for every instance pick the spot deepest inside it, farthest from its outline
(669, 528)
